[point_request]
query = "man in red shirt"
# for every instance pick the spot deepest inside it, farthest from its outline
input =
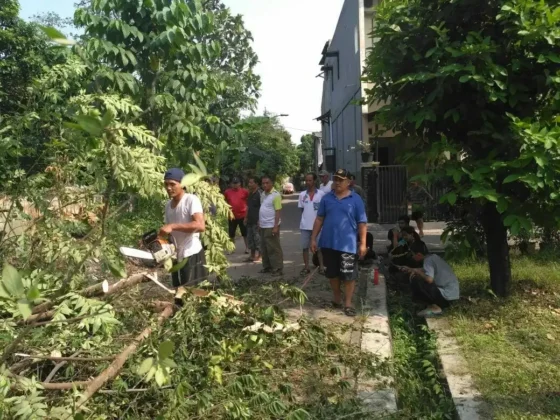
(236, 197)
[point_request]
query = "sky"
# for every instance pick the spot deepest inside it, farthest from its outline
(289, 37)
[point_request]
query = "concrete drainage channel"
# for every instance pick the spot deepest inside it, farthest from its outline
(431, 376)
(467, 399)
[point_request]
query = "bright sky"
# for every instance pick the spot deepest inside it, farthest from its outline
(289, 37)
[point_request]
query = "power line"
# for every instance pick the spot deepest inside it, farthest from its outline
(301, 129)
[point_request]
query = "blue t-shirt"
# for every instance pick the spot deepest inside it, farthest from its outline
(341, 219)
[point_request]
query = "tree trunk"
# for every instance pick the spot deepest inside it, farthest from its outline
(498, 250)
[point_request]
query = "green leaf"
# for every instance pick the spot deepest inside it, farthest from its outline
(452, 197)
(179, 265)
(24, 308)
(200, 164)
(465, 78)
(168, 363)
(4, 293)
(52, 33)
(190, 179)
(214, 360)
(11, 281)
(541, 161)
(116, 270)
(430, 52)
(510, 220)
(90, 125)
(515, 228)
(511, 178)
(165, 349)
(146, 366)
(160, 377)
(502, 205)
(33, 293)
(107, 119)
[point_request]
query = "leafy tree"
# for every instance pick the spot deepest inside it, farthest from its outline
(265, 147)
(479, 80)
(170, 56)
(305, 153)
(24, 53)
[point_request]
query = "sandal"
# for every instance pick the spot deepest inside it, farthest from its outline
(248, 260)
(334, 305)
(349, 311)
(429, 313)
(265, 271)
(304, 272)
(322, 271)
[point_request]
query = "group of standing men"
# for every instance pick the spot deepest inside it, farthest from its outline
(256, 212)
(333, 225)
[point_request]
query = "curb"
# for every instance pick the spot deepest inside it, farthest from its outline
(376, 339)
(468, 401)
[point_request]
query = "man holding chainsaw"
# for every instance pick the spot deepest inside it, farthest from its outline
(184, 220)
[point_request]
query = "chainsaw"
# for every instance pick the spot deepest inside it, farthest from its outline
(159, 251)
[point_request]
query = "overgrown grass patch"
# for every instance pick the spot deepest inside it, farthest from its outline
(421, 393)
(513, 345)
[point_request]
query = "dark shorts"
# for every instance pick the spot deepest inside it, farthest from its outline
(233, 228)
(417, 212)
(341, 265)
(193, 271)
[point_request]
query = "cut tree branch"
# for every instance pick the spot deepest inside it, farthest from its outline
(119, 361)
(67, 359)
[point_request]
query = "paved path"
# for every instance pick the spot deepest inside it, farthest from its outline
(370, 331)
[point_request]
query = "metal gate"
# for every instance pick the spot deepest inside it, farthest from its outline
(387, 188)
(392, 183)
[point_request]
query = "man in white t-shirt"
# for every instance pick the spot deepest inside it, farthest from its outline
(326, 183)
(184, 220)
(309, 204)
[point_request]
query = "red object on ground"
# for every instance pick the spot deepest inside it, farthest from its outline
(376, 276)
(237, 199)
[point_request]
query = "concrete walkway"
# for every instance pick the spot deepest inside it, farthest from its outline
(369, 330)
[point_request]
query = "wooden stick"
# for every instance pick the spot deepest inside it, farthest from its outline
(119, 361)
(42, 312)
(60, 386)
(97, 289)
(66, 359)
(57, 367)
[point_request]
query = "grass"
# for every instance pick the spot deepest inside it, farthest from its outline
(513, 345)
(420, 388)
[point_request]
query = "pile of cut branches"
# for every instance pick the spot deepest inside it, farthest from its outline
(123, 351)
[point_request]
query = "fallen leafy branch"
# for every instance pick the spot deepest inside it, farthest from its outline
(119, 361)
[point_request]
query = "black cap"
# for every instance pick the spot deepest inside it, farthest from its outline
(342, 173)
(235, 180)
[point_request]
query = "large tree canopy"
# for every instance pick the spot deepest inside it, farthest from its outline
(187, 64)
(479, 80)
(24, 53)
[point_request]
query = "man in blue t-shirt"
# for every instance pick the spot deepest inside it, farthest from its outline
(341, 218)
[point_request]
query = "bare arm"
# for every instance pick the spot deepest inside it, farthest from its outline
(420, 273)
(276, 219)
(317, 227)
(362, 231)
(395, 238)
(197, 225)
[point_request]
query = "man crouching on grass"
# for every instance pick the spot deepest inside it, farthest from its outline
(435, 284)
(184, 219)
(340, 218)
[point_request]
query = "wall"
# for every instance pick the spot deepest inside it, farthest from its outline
(340, 97)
